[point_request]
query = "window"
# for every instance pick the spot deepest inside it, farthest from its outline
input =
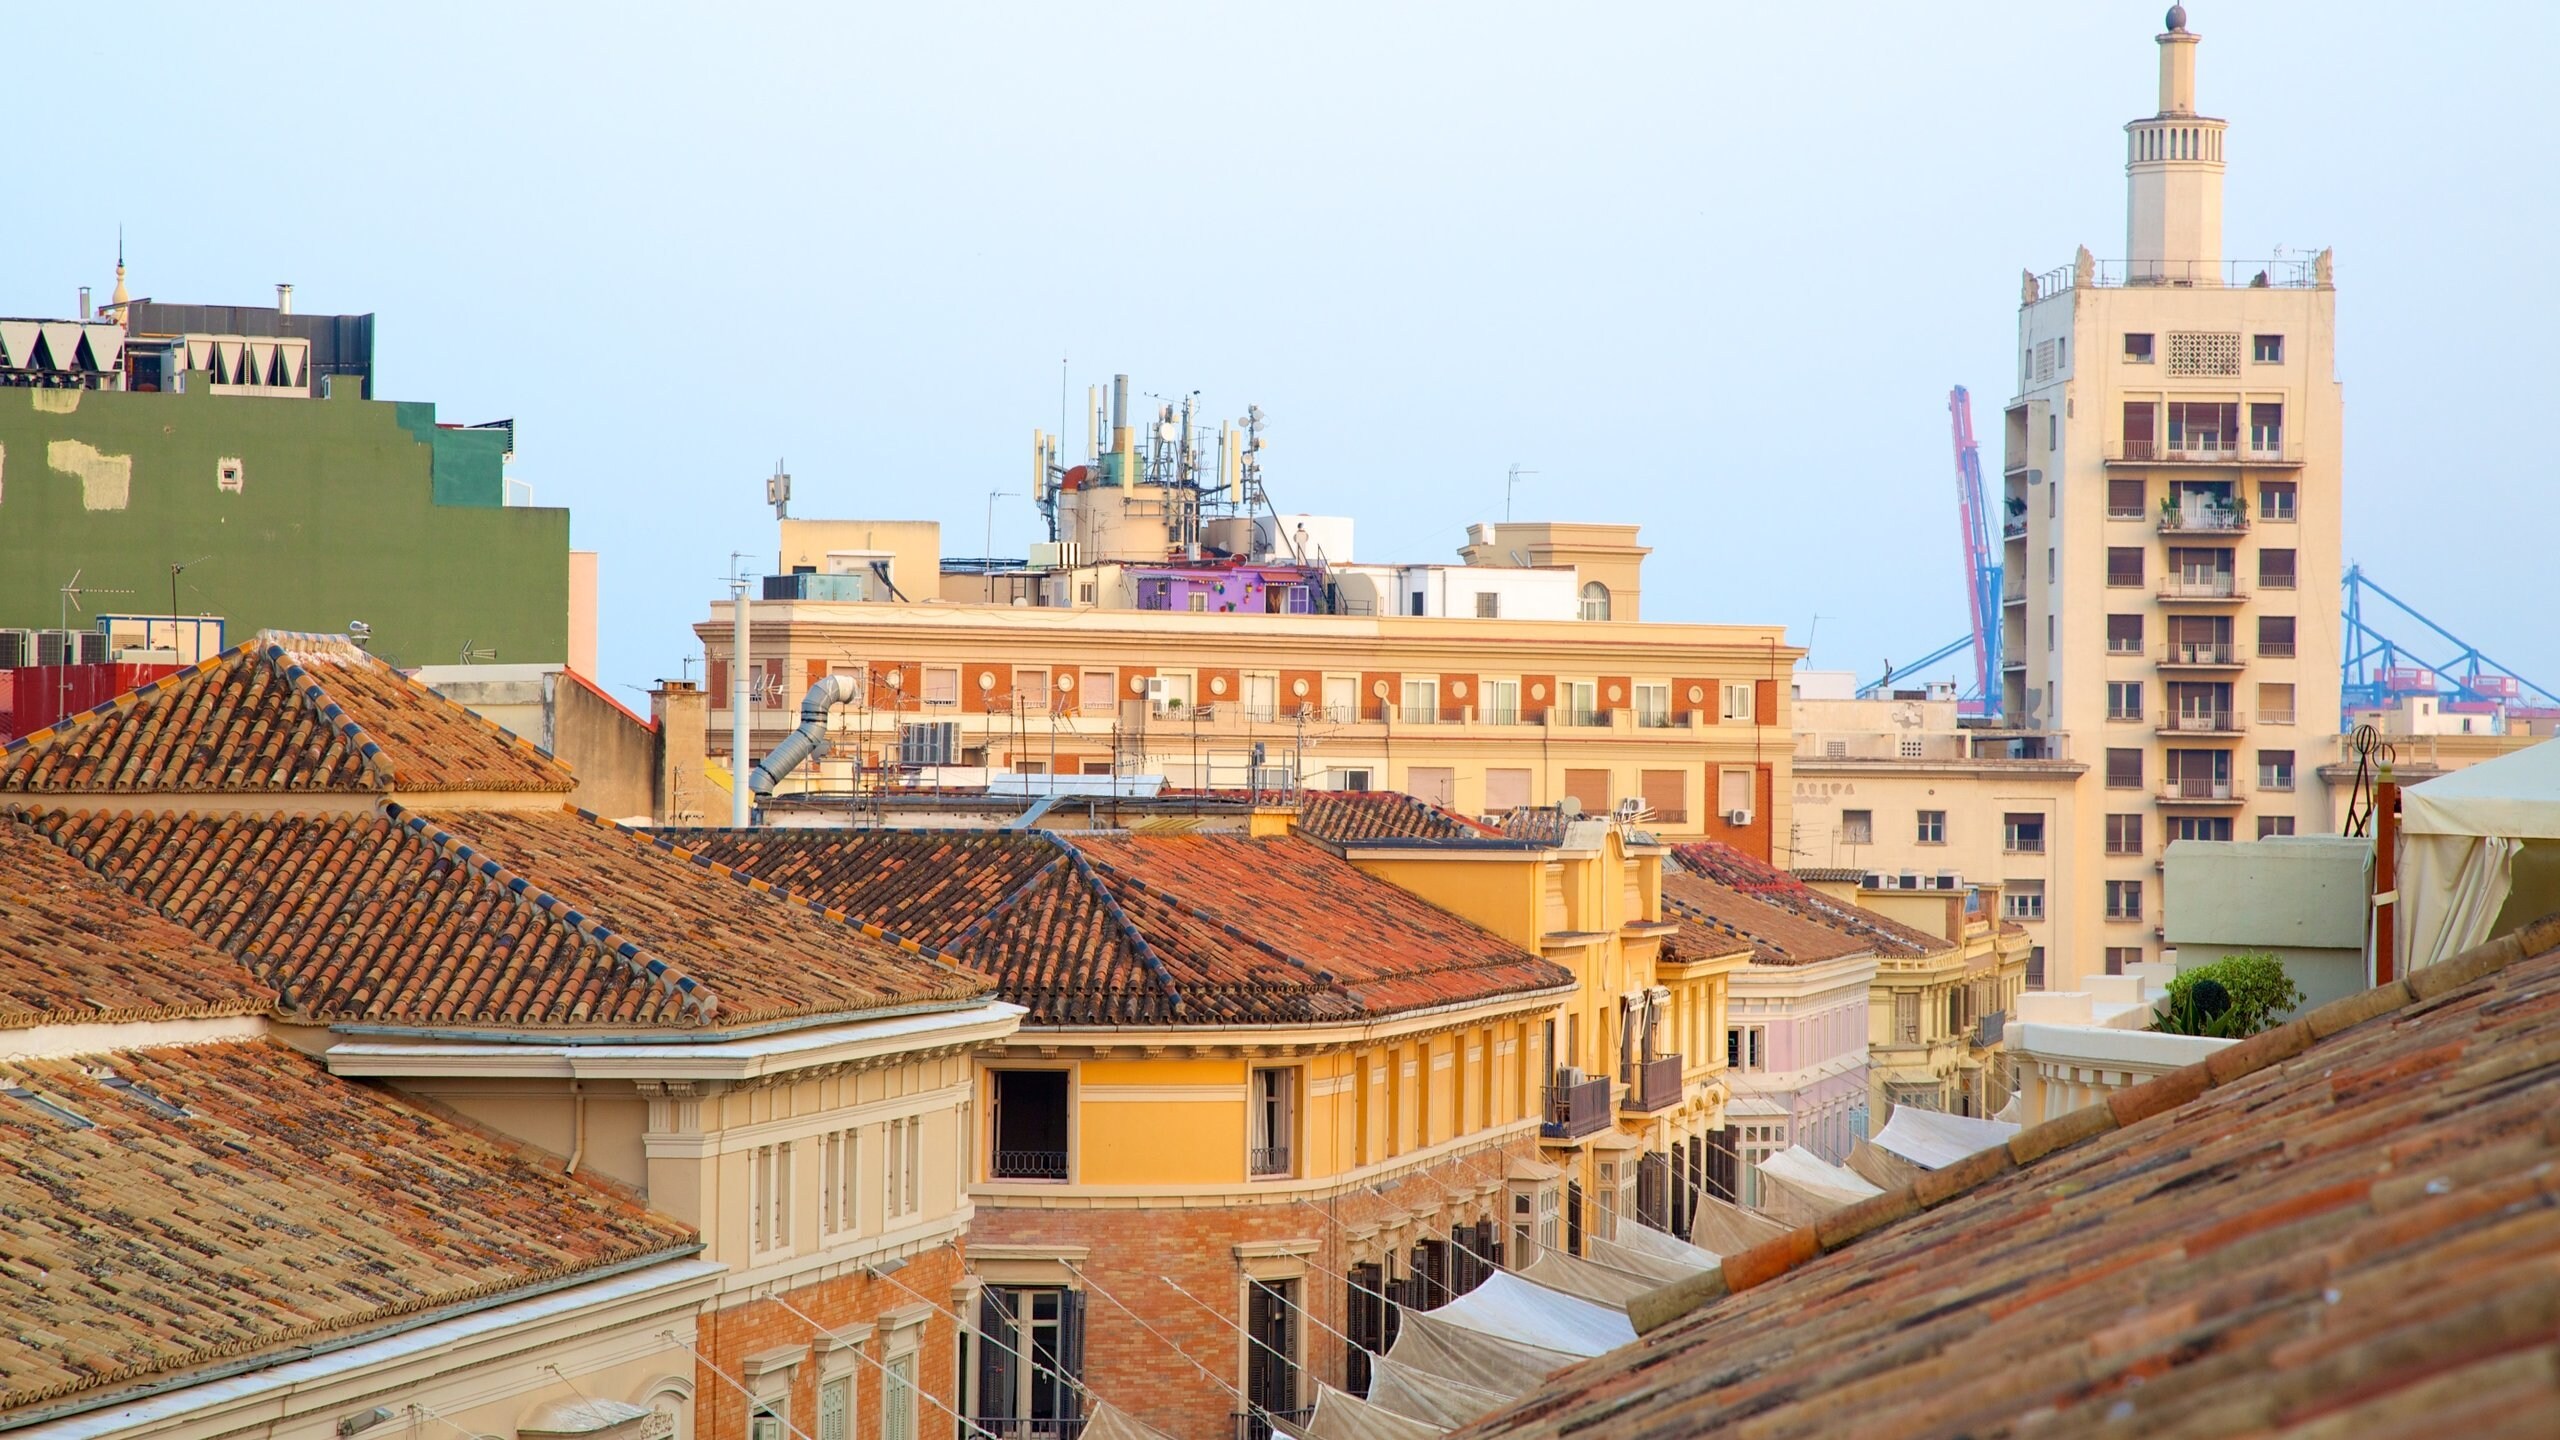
(2275, 704)
(1932, 828)
(2275, 770)
(769, 1198)
(765, 1418)
(1030, 690)
(1421, 702)
(1505, 790)
(2272, 825)
(2267, 349)
(2052, 565)
(2124, 567)
(1415, 603)
(1581, 701)
(1653, 706)
(1030, 1360)
(2203, 427)
(1742, 1047)
(839, 1205)
(1028, 1123)
(2121, 958)
(2200, 827)
(1502, 703)
(1261, 697)
(2275, 637)
(1857, 827)
(1589, 789)
(1737, 702)
(2022, 833)
(835, 1408)
(1595, 601)
(1271, 1346)
(2275, 569)
(900, 1140)
(2124, 499)
(2124, 899)
(898, 1399)
(1906, 1017)
(1274, 1104)
(2124, 634)
(2124, 834)
(1488, 605)
(1100, 689)
(2035, 967)
(2266, 429)
(1432, 785)
(2051, 623)
(2275, 500)
(2124, 699)
(941, 685)
(1733, 790)
(2137, 350)
(1341, 697)
(1353, 780)
(1666, 795)
(2022, 900)
(1172, 693)
(1084, 593)
(2124, 769)
(1200, 602)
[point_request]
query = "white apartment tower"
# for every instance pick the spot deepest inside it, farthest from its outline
(2171, 531)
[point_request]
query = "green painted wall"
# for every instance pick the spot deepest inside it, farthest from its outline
(348, 509)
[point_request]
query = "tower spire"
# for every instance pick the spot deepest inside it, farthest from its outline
(120, 299)
(2173, 174)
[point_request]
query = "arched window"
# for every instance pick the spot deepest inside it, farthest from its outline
(1595, 601)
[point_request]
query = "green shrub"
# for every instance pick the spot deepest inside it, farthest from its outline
(2233, 998)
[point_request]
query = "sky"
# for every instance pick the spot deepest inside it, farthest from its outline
(1706, 267)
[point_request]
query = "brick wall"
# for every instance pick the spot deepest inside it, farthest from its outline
(729, 1335)
(1132, 1252)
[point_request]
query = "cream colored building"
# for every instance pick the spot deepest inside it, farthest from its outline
(2173, 549)
(1902, 796)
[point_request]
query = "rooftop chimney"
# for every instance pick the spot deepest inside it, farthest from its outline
(84, 302)
(284, 298)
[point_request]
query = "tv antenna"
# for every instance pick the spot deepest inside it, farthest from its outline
(72, 590)
(176, 568)
(1513, 483)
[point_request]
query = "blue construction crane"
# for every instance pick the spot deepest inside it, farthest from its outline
(2375, 670)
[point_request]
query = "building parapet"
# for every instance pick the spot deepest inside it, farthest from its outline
(2087, 274)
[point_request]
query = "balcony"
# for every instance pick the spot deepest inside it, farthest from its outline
(2225, 724)
(1029, 1165)
(1991, 1029)
(1653, 1084)
(2202, 450)
(1258, 1424)
(2200, 792)
(2014, 528)
(2309, 274)
(1270, 1160)
(2221, 589)
(1961, 748)
(2201, 655)
(1574, 1111)
(2204, 520)
(1000, 1427)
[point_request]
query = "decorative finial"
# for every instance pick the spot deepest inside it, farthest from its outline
(2177, 18)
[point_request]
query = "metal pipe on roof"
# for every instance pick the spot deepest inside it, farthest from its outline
(741, 805)
(808, 738)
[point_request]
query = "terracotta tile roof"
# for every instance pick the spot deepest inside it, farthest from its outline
(74, 950)
(1714, 917)
(522, 918)
(1095, 929)
(2343, 1227)
(1757, 879)
(1829, 874)
(1351, 816)
(291, 713)
(181, 1205)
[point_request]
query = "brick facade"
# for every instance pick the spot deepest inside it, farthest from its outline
(734, 1332)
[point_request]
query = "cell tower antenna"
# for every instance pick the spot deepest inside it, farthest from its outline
(777, 492)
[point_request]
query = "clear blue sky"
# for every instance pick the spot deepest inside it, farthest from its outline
(1707, 267)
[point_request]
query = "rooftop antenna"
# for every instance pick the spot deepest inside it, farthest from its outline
(1512, 484)
(176, 567)
(992, 497)
(1810, 634)
(471, 654)
(72, 590)
(777, 492)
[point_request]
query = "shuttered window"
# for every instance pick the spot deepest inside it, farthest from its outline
(1590, 788)
(1666, 794)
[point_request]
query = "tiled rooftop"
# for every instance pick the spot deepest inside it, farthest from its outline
(2346, 1227)
(523, 918)
(1714, 917)
(1350, 816)
(162, 1209)
(1100, 929)
(74, 950)
(1757, 879)
(281, 713)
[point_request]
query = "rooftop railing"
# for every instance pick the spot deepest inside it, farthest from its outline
(2184, 274)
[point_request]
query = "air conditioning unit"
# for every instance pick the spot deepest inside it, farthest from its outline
(1057, 555)
(1874, 880)
(932, 742)
(64, 647)
(1737, 817)
(1949, 882)
(17, 647)
(1568, 1077)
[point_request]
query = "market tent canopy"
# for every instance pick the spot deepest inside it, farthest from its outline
(2479, 853)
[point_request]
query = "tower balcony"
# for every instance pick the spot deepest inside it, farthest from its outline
(2203, 724)
(2205, 450)
(2312, 274)
(2220, 589)
(2183, 792)
(2202, 655)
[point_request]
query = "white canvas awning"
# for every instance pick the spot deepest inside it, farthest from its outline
(1508, 1368)
(1507, 1307)
(1935, 1140)
(1631, 1256)
(1800, 1187)
(1666, 1248)
(1400, 1389)
(1105, 1423)
(1728, 1229)
(1587, 1279)
(1339, 1415)
(1882, 1168)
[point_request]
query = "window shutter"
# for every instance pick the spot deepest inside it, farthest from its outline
(998, 1342)
(1071, 1352)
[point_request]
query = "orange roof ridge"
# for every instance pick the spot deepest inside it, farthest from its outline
(690, 992)
(308, 687)
(126, 701)
(1799, 1247)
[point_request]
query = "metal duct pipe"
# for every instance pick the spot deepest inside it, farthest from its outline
(803, 742)
(741, 811)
